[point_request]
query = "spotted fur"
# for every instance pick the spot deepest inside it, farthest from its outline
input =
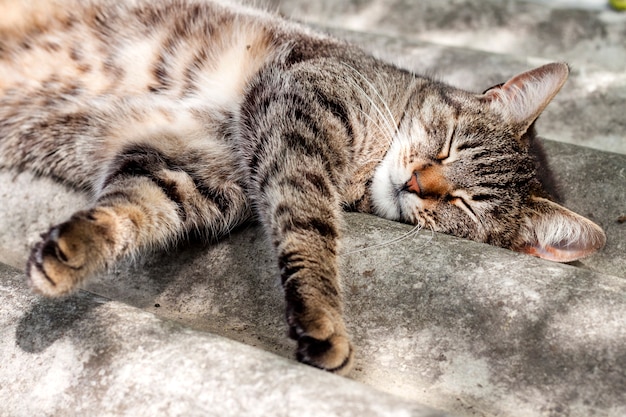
(186, 116)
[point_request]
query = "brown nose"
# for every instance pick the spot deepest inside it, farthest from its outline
(428, 181)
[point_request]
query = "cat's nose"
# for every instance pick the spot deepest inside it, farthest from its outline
(413, 184)
(428, 182)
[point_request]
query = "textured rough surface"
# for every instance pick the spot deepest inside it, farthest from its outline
(463, 327)
(87, 355)
(588, 34)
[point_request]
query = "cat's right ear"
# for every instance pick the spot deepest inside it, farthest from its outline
(522, 98)
(553, 232)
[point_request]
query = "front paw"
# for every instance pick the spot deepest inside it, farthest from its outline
(322, 342)
(67, 254)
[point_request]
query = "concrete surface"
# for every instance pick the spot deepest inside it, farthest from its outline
(589, 35)
(458, 326)
(88, 356)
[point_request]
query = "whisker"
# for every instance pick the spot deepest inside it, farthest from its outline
(377, 160)
(373, 104)
(388, 135)
(391, 118)
(376, 124)
(411, 233)
(431, 226)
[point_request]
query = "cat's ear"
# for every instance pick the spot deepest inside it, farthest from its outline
(553, 232)
(522, 99)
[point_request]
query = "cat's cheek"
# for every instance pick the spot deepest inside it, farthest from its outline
(384, 193)
(385, 205)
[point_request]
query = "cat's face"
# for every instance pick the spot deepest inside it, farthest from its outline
(454, 169)
(460, 164)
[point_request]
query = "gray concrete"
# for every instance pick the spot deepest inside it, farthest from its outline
(589, 35)
(88, 356)
(458, 326)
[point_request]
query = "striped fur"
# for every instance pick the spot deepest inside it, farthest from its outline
(188, 117)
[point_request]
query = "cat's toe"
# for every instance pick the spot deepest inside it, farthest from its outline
(46, 271)
(64, 256)
(322, 339)
(334, 354)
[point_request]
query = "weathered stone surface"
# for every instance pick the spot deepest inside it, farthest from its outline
(87, 355)
(446, 322)
(587, 33)
(459, 326)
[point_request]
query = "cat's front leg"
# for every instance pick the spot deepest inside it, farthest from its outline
(296, 156)
(300, 210)
(308, 267)
(305, 232)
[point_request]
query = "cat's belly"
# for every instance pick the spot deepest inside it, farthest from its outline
(94, 51)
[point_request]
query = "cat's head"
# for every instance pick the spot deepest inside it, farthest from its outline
(462, 164)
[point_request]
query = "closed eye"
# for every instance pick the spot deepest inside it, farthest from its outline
(462, 203)
(445, 150)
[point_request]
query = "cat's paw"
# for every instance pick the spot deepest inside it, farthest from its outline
(322, 341)
(68, 253)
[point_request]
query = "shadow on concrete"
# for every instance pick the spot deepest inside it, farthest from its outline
(50, 320)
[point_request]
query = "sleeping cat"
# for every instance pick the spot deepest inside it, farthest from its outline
(188, 117)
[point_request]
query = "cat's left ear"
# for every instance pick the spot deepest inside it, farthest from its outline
(522, 99)
(553, 232)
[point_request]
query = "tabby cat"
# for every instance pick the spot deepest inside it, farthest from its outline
(185, 117)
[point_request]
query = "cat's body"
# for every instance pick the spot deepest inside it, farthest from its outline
(184, 116)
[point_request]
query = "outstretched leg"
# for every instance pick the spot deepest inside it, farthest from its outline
(304, 226)
(149, 197)
(293, 146)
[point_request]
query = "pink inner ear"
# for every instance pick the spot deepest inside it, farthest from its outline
(558, 234)
(524, 96)
(557, 254)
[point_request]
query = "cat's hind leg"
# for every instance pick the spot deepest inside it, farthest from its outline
(149, 197)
